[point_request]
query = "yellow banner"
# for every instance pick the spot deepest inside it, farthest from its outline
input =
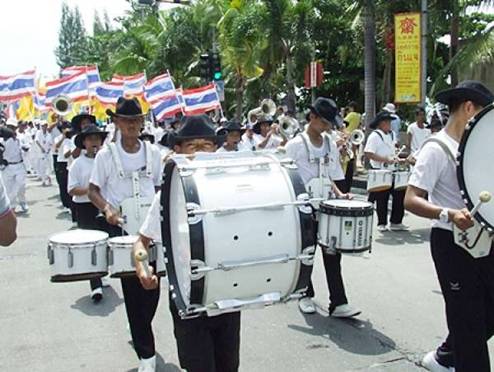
(407, 58)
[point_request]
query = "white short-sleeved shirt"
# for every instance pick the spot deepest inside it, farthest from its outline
(335, 169)
(151, 227)
(419, 135)
(381, 144)
(79, 175)
(247, 143)
(44, 139)
(63, 149)
(13, 152)
(55, 132)
(296, 150)
(113, 188)
(273, 142)
(435, 173)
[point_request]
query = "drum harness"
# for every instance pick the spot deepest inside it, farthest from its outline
(147, 172)
(451, 157)
(381, 134)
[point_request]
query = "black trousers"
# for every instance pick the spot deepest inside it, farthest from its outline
(397, 208)
(348, 177)
(334, 278)
(208, 344)
(467, 285)
(85, 215)
(140, 304)
(62, 175)
(55, 163)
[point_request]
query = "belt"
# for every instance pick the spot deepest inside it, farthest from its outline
(19, 162)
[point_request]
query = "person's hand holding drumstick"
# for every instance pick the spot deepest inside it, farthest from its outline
(144, 271)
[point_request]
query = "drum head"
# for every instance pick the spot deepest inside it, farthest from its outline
(347, 204)
(78, 237)
(123, 240)
(475, 154)
(175, 232)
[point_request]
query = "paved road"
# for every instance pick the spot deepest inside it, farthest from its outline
(55, 327)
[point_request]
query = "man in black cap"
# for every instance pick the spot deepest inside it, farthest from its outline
(312, 150)
(205, 344)
(122, 170)
(466, 282)
(380, 149)
(233, 131)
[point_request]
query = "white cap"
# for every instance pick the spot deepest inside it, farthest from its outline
(12, 122)
(389, 107)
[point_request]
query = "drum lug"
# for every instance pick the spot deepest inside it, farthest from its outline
(51, 256)
(308, 251)
(110, 257)
(193, 218)
(132, 261)
(94, 257)
(70, 257)
(196, 274)
(306, 209)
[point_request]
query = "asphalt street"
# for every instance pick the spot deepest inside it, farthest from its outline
(56, 327)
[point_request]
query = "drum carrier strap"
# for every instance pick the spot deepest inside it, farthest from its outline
(135, 175)
(444, 146)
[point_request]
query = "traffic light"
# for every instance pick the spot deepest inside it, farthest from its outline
(205, 67)
(216, 66)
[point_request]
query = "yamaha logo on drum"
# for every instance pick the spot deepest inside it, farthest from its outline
(360, 232)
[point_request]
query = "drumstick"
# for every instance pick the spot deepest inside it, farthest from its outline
(484, 197)
(141, 257)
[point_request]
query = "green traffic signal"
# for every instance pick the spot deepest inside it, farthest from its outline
(218, 75)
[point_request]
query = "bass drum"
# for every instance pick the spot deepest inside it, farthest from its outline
(238, 232)
(475, 153)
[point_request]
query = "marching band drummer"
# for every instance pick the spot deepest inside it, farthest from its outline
(380, 150)
(466, 282)
(306, 149)
(205, 344)
(233, 131)
(268, 135)
(107, 190)
(90, 139)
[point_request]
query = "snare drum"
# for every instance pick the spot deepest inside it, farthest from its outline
(345, 226)
(121, 261)
(238, 232)
(379, 180)
(400, 180)
(78, 255)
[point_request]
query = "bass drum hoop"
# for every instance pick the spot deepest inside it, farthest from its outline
(467, 199)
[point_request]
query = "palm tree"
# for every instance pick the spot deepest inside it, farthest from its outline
(369, 61)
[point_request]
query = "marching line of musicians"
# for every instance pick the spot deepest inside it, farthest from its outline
(95, 171)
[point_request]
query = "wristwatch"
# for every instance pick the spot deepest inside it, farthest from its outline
(444, 215)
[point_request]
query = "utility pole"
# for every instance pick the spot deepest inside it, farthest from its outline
(423, 52)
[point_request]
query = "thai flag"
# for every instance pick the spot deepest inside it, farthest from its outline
(39, 101)
(75, 87)
(166, 106)
(159, 87)
(201, 100)
(92, 73)
(133, 84)
(15, 87)
(109, 92)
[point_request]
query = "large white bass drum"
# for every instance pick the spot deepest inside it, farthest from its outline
(238, 232)
(475, 155)
(78, 255)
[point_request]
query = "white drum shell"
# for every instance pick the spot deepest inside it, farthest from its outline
(401, 179)
(351, 233)
(78, 255)
(379, 180)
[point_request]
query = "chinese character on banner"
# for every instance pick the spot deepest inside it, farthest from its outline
(408, 25)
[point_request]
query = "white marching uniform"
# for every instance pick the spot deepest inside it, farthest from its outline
(45, 141)
(14, 175)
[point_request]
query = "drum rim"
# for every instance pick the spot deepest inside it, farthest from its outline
(197, 286)
(467, 199)
(103, 233)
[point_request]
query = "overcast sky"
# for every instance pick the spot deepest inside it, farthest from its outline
(29, 31)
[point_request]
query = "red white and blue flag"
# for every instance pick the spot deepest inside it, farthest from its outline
(109, 92)
(92, 73)
(200, 100)
(159, 87)
(39, 101)
(14, 87)
(166, 107)
(133, 84)
(74, 86)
